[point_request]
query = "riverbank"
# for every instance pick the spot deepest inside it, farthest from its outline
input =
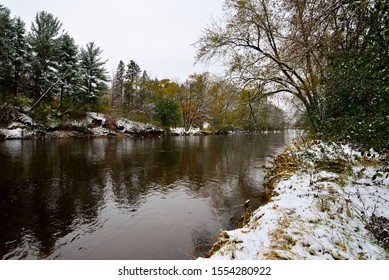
(329, 201)
(92, 125)
(22, 126)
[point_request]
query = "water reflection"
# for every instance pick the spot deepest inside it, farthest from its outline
(126, 198)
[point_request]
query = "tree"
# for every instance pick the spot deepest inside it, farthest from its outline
(274, 46)
(118, 85)
(168, 112)
(145, 98)
(6, 50)
(93, 73)
(44, 40)
(68, 55)
(193, 97)
(20, 58)
(356, 90)
(13, 54)
(221, 103)
(251, 115)
(131, 84)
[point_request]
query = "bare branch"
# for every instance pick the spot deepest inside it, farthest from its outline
(48, 90)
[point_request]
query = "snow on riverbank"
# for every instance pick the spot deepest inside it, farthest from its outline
(182, 131)
(19, 128)
(329, 202)
(93, 124)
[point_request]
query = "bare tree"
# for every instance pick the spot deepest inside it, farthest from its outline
(274, 46)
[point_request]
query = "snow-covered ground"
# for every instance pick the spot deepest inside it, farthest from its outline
(329, 202)
(18, 129)
(182, 131)
(94, 124)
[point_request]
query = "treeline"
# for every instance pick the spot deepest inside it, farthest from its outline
(45, 73)
(201, 100)
(331, 56)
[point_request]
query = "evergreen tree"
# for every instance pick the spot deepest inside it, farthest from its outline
(144, 93)
(68, 63)
(6, 51)
(13, 54)
(20, 57)
(131, 83)
(118, 85)
(93, 73)
(44, 40)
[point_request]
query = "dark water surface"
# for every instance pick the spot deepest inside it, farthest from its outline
(127, 198)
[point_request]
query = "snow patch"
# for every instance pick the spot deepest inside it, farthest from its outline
(16, 133)
(182, 131)
(101, 131)
(128, 126)
(26, 119)
(92, 116)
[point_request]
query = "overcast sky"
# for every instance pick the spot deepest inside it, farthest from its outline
(157, 34)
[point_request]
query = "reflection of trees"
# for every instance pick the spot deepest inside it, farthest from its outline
(49, 188)
(233, 182)
(203, 164)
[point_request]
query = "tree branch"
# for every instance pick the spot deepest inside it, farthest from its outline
(48, 90)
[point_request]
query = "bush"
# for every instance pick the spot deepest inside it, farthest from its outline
(168, 112)
(356, 93)
(7, 113)
(22, 102)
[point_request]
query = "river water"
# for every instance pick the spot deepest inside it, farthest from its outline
(112, 198)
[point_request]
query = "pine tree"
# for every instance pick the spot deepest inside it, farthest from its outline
(68, 64)
(144, 93)
(6, 34)
(93, 73)
(20, 57)
(132, 78)
(13, 53)
(118, 85)
(44, 40)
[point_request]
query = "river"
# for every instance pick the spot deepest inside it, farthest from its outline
(111, 199)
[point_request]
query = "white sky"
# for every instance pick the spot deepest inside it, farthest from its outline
(156, 34)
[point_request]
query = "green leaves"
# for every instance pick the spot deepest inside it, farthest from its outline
(93, 73)
(168, 112)
(355, 87)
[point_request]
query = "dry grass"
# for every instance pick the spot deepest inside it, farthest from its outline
(282, 166)
(280, 240)
(223, 239)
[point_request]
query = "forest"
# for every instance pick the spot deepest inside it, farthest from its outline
(326, 58)
(44, 73)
